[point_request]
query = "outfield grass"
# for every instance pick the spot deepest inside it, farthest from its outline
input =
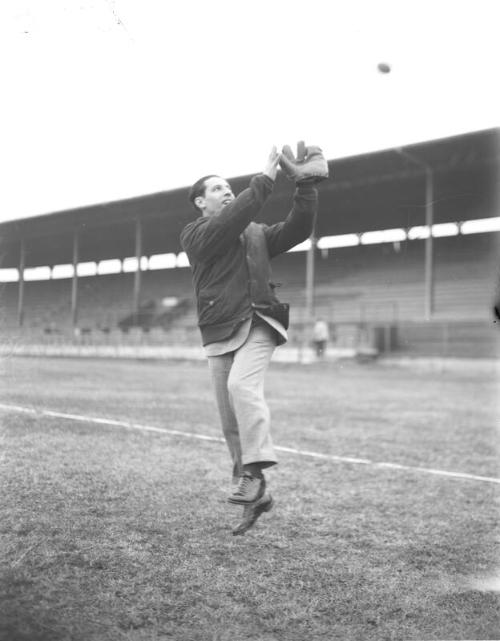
(108, 533)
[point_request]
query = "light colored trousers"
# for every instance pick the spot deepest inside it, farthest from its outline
(238, 379)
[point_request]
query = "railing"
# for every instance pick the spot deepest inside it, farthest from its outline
(463, 339)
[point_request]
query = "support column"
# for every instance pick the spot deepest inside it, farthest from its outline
(137, 275)
(74, 285)
(429, 245)
(429, 241)
(310, 264)
(20, 299)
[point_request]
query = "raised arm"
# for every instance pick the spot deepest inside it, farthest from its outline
(297, 226)
(208, 237)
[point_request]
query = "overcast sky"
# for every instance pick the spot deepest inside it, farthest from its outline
(106, 99)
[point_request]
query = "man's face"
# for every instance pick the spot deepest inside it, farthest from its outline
(218, 194)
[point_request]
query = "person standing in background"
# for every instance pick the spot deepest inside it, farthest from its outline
(321, 336)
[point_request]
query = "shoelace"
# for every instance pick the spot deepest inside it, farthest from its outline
(242, 485)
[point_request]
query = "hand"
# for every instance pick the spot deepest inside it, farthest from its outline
(309, 167)
(271, 167)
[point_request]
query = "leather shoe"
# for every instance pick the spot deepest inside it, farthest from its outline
(249, 490)
(252, 512)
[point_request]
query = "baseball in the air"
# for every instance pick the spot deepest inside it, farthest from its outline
(383, 67)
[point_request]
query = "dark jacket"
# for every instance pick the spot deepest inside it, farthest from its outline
(229, 256)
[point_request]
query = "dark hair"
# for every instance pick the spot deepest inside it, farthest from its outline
(198, 189)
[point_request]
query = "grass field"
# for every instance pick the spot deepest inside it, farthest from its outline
(113, 533)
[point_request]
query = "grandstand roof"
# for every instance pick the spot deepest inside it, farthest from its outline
(378, 190)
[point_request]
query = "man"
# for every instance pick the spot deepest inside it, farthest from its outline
(240, 319)
(321, 336)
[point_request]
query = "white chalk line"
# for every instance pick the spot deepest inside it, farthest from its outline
(217, 439)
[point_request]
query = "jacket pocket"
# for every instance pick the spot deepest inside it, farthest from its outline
(206, 308)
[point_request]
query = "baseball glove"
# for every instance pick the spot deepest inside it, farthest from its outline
(310, 166)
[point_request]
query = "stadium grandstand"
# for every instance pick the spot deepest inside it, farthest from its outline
(404, 260)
